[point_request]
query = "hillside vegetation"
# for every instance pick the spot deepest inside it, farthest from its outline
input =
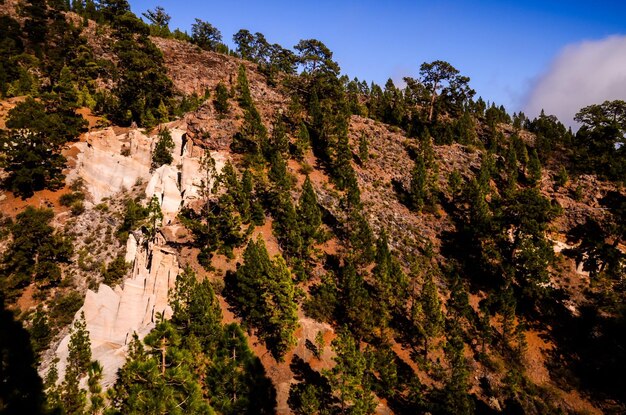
(353, 249)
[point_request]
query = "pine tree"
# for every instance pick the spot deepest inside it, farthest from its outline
(209, 174)
(364, 154)
(79, 349)
(342, 170)
(432, 316)
(53, 391)
(356, 305)
(162, 153)
(360, 238)
(456, 396)
(278, 173)
(65, 89)
(418, 192)
(162, 113)
(511, 168)
(96, 397)
(309, 216)
(280, 309)
(287, 227)
(389, 279)
(303, 141)
(220, 103)
(248, 198)
(40, 333)
(534, 168)
(73, 398)
(279, 142)
(508, 305)
(349, 378)
(264, 292)
(154, 218)
(243, 88)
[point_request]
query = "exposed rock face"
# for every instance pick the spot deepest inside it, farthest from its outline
(104, 168)
(113, 315)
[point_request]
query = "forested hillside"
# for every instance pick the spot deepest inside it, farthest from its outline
(190, 229)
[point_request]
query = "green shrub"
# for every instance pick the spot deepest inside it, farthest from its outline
(115, 271)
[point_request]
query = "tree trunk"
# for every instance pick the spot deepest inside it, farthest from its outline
(163, 351)
(432, 107)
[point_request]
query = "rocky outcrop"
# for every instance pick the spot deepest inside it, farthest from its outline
(108, 164)
(113, 315)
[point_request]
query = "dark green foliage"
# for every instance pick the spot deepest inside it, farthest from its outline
(271, 58)
(534, 168)
(323, 301)
(511, 167)
(309, 216)
(263, 292)
(287, 226)
(343, 173)
(356, 306)
(423, 185)
(64, 309)
(162, 153)
(278, 142)
(455, 180)
(315, 57)
(144, 386)
(562, 177)
(349, 378)
(360, 238)
(221, 99)
(79, 349)
(237, 379)
(159, 22)
(37, 132)
(40, 332)
(599, 143)
(34, 253)
(551, 135)
(218, 226)
(303, 142)
(278, 174)
(73, 399)
(133, 217)
(441, 89)
(426, 313)
(69, 199)
(193, 364)
(247, 44)
(21, 388)
(456, 390)
(143, 85)
(364, 154)
(115, 271)
(418, 191)
(253, 133)
(205, 35)
(390, 281)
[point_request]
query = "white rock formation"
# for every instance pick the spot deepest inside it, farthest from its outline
(164, 184)
(114, 314)
(104, 169)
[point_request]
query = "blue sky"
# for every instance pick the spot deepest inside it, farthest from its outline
(505, 47)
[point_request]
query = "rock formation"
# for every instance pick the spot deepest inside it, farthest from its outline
(108, 164)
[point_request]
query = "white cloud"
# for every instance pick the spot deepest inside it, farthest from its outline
(585, 73)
